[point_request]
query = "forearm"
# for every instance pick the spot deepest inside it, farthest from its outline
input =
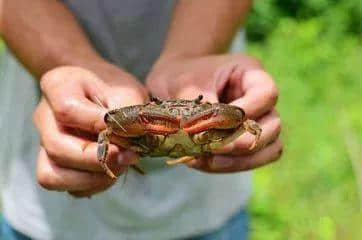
(44, 35)
(201, 27)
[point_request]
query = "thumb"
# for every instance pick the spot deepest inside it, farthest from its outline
(223, 74)
(124, 96)
(192, 92)
(213, 89)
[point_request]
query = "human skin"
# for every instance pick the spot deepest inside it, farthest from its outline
(72, 78)
(51, 46)
(192, 63)
(233, 79)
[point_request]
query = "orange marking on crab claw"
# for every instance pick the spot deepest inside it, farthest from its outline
(208, 121)
(160, 124)
(205, 125)
(198, 118)
(161, 129)
(193, 125)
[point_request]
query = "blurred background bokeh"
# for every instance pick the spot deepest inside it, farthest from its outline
(313, 50)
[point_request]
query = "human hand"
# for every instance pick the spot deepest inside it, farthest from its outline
(68, 119)
(234, 79)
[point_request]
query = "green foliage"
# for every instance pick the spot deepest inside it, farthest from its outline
(2, 45)
(312, 193)
(266, 15)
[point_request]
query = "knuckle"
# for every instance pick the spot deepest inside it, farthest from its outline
(269, 88)
(44, 81)
(51, 146)
(272, 91)
(64, 110)
(273, 94)
(45, 179)
(244, 143)
(48, 79)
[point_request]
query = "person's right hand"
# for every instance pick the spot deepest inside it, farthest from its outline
(68, 118)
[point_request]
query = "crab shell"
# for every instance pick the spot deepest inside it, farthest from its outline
(175, 128)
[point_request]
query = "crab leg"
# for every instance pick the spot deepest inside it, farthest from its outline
(252, 127)
(138, 169)
(180, 160)
(102, 151)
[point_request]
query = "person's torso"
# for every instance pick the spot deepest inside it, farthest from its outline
(167, 202)
(128, 33)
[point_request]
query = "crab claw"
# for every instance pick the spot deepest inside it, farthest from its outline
(224, 116)
(134, 121)
(219, 126)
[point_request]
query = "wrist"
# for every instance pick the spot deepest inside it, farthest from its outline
(114, 76)
(90, 60)
(111, 74)
(170, 60)
(179, 56)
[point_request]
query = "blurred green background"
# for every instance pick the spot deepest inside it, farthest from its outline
(313, 50)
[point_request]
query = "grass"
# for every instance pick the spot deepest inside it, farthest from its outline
(314, 192)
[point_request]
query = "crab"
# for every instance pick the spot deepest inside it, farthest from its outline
(179, 129)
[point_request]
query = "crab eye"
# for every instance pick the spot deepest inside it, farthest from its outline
(156, 100)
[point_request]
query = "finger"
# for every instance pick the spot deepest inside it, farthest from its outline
(191, 92)
(71, 151)
(80, 113)
(53, 177)
(124, 96)
(260, 93)
(89, 193)
(271, 128)
(69, 98)
(71, 154)
(229, 164)
(223, 75)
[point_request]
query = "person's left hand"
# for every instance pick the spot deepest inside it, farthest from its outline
(234, 79)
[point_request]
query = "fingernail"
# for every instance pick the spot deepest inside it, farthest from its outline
(221, 162)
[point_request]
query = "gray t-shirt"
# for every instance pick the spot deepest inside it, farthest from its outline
(167, 203)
